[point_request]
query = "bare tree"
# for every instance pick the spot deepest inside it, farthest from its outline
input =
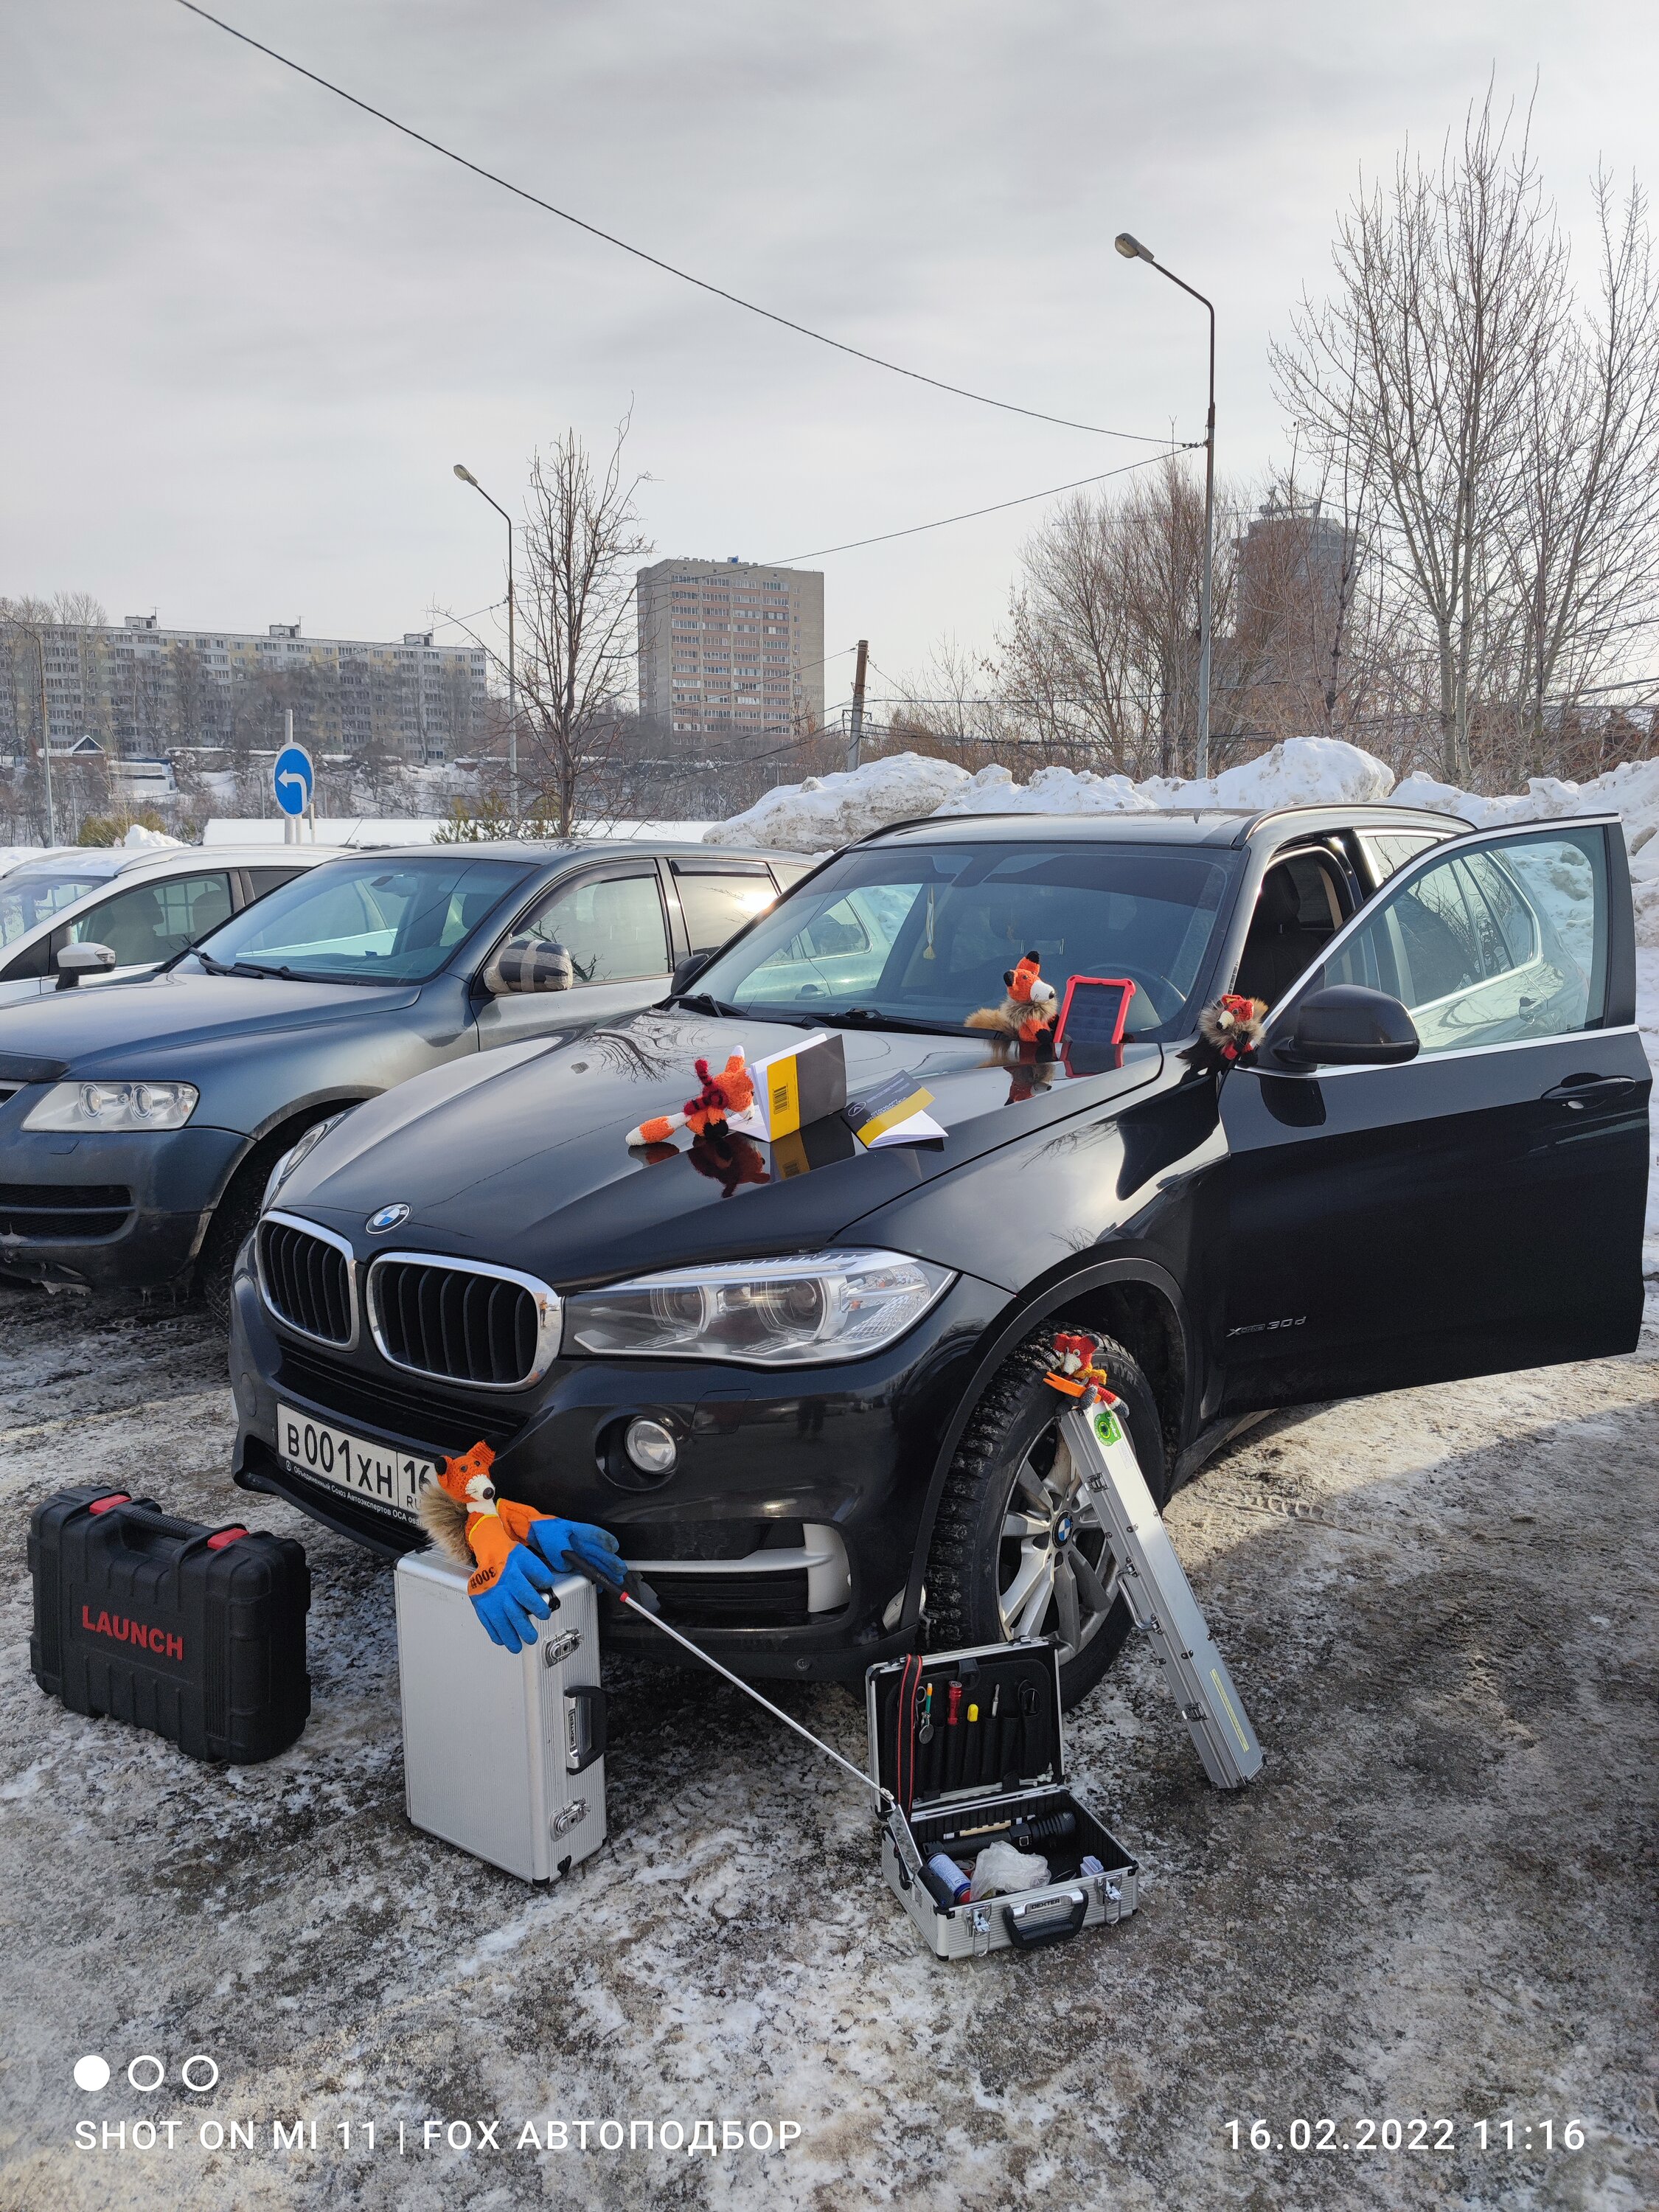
(576, 653)
(1419, 377)
(1581, 545)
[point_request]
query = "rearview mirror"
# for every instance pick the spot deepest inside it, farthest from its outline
(528, 963)
(687, 971)
(76, 961)
(1345, 1025)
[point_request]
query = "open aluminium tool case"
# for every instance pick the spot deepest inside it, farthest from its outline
(1010, 1769)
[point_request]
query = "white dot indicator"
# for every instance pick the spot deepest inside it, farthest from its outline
(92, 2072)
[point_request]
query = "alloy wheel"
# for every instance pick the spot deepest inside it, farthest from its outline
(1055, 1571)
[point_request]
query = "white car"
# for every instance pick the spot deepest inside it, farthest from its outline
(145, 906)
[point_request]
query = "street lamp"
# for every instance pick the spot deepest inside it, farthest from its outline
(1132, 250)
(467, 478)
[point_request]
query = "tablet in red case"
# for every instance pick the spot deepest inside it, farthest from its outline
(1094, 1010)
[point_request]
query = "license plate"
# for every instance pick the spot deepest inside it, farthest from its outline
(378, 1473)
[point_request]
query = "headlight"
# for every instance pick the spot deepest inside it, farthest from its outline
(87, 1107)
(295, 1153)
(766, 1313)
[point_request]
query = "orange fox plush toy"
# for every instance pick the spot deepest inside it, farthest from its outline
(513, 1551)
(1029, 1008)
(732, 1092)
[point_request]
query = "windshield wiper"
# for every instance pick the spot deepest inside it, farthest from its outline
(872, 1017)
(699, 1002)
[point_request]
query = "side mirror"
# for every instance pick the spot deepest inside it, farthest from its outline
(687, 971)
(1345, 1025)
(528, 963)
(76, 961)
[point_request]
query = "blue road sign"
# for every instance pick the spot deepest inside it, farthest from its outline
(292, 777)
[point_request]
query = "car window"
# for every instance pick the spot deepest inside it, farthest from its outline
(373, 920)
(152, 921)
(1392, 849)
(1491, 946)
(29, 896)
(927, 934)
(261, 880)
(611, 926)
(717, 905)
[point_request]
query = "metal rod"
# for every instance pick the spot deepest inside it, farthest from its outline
(1201, 764)
(883, 1797)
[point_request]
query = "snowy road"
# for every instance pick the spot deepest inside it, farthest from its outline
(1435, 1902)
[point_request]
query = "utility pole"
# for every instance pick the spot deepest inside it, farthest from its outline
(467, 478)
(858, 701)
(46, 737)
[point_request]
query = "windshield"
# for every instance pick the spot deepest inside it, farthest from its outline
(28, 895)
(925, 936)
(368, 920)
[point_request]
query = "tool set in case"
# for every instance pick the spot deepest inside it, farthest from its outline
(503, 1752)
(198, 1634)
(970, 1746)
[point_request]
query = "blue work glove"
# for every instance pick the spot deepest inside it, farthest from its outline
(514, 1602)
(577, 1548)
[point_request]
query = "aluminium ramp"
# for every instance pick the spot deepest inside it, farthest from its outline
(1159, 1595)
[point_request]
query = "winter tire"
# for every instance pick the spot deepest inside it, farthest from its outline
(1017, 1550)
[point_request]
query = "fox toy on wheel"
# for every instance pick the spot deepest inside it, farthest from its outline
(515, 1554)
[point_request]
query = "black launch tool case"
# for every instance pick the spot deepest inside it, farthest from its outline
(1003, 1769)
(198, 1634)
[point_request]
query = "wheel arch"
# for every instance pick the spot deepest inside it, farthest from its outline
(1131, 1298)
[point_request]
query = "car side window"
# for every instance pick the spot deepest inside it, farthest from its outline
(1495, 945)
(1392, 849)
(261, 880)
(717, 904)
(153, 921)
(611, 926)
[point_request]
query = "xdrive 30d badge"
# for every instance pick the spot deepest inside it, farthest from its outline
(802, 1378)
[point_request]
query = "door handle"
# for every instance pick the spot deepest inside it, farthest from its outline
(1579, 1091)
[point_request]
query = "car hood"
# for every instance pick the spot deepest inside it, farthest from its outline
(94, 1032)
(527, 1167)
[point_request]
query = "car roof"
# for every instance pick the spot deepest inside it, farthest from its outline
(107, 862)
(1210, 825)
(574, 848)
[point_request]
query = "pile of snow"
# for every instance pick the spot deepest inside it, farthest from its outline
(1300, 771)
(827, 811)
(138, 836)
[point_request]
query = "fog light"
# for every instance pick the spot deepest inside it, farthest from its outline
(651, 1448)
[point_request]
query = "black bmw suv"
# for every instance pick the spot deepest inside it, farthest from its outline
(801, 1379)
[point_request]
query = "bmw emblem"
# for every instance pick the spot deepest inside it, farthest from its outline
(1063, 1529)
(388, 1216)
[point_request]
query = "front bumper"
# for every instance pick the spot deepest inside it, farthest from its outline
(112, 1211)
(791, 1464)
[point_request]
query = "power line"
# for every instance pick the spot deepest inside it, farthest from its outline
(973, 514)
(655, 261)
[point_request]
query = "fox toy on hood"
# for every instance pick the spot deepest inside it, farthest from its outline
(1029, 1008)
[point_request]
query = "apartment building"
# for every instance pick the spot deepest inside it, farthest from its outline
(731, 648)
(140, 691)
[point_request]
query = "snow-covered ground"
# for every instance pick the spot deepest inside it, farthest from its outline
(1434, 1903)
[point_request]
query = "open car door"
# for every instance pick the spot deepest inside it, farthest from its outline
(1478, 1207)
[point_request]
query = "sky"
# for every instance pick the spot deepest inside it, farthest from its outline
(250, 329)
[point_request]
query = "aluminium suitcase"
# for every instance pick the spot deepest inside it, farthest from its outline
(198, 1634)
(1008, 1766)
(503, 1751)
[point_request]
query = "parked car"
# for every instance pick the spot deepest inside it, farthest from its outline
(804, 1382)
(143, 908)
(137, 1125)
